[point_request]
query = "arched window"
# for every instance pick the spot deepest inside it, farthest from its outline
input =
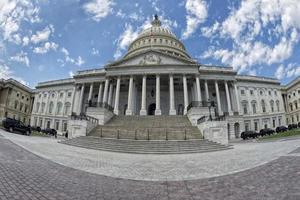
(263, 106)
(51, 107)
(59, 108)
(37, 107)
(253, 104)
(16, 104)
(67, 110)
(277, 105)
(245, 107)
(272, 105)
(43, 107)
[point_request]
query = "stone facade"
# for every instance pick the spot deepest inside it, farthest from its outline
(16, 100)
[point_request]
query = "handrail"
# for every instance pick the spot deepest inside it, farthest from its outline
(83, 116)
(201, 104)
(99, 105)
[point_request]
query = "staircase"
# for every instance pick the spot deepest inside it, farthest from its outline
(148, 128)
(145, 146)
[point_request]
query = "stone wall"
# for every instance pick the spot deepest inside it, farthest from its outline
(215, 131)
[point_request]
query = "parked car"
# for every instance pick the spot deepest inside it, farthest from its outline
(36, 128)
(292, 126)
(249, 134)
(281, 129)
(13, 125)
(49, 131)
(266, 131)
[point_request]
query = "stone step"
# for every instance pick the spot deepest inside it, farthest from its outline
(144, 146)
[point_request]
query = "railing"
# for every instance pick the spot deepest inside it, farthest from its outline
(146, 134)
(99, 105)
(83, 116)
(210, 118)
(201, 104)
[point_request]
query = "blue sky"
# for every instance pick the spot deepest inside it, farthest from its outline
(46, 40)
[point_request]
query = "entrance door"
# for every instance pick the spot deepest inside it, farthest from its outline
(151, 109)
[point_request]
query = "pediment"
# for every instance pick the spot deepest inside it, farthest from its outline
(151, 58)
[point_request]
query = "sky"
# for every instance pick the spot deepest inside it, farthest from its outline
(43, 40)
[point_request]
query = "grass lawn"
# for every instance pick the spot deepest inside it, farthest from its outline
(289, 133)
(40, 134)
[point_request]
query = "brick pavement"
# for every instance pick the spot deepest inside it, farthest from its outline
(24, 175)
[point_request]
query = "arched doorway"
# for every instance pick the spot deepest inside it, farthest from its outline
(151, 109)
(237, 130)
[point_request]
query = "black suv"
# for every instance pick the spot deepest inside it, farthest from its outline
(281, 129)
(249, 134)
(49, 131)
(13, 125)
(266, 131)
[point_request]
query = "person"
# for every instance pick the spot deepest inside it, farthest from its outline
(55, 134)
(66, 134)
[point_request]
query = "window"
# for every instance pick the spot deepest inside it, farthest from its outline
(279, 121)
(261, 93)
(255, 126)
(277, 105)
(291, 107)
(21, 106)
(266, 125)
(61, 95)
(22, 97)
(51, 105)
(297, 118)
(254, 108)
(67, 108)
(18, 94)
(69, 94)
(65, 126)
(43, 107)
(53, 95)
(45, 95)
(242, 92)
(296, 105)
(274, 123)
(27, 99)
(48, 124)
(251, 92)
(294, 94)
(263, 106)
(246, 126)
(59, 108)
(57, 125)
(245, 109)
(16, 104)
(275, 92)
(289, 96)
(272, 105)
(37, 107)
(270, 93)
(41, 122)
(40, 95)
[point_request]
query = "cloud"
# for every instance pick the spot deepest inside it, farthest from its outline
(247, 28)
(45, 48)
(6, 73)
(43, 35)
(79, 61)
(95, 51)
(71, 74)
(125, 39)
(98, 9)
(196, 14)
(292, 70)
(21, 58)
(13, 13)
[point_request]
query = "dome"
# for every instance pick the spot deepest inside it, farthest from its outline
(157, 38)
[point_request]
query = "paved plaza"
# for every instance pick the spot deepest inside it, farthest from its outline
(24, 175)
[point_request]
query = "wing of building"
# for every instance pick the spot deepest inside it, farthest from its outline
(158, 77)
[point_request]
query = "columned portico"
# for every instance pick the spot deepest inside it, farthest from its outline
(143, 104)
(172, 101)
(129, 104)
(157, 109)
(185, 94)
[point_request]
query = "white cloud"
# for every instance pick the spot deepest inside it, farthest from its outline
(25, 41)
(95, 51)
(196, 14)
(292, 70)
(13, 13)
(71, 74)
(21, 58)
(79, 61)
(247, 27)
(43, 35)
(98, 9)
(45, 48)
(6, 73)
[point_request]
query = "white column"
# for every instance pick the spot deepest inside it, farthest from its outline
(218, 98)
(228, 99)
(117, 97)
(100, 93)
(172, 102)
(64, 102)
(91, 92)
(237, 98)
(144, 89)
(40, 108)
(81, 99)
(199, 98)
(185, 94)
(111, 87)
(157, 109)
(105, 91)
(74, 95)
(206, 90)
(129, 103)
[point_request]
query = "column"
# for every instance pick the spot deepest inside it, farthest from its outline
(91, 92)
(40, 108)
(157, 109)
(237, 98)
(55, 103)
(100, 93)
(47, 103)
(172, 102)
(185, 94)
(199, 98)
(64, 102)
(250, 110)
(111, 87)
(105, 91)
(81, 99)
(73, 99)
(218, 98)
(206, 90)
(144, 91)
(228, 99)
(129, 103)
(117, 97)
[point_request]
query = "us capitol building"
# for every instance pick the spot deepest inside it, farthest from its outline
(158, 77)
